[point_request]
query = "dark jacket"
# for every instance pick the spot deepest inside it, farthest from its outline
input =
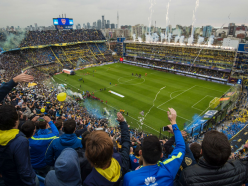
(119, 163)
(15, 165)
(6, 88)
(188, 159)
(80, 131)
(85, 166)
(233, 173)
(67, 170)
(59, 144)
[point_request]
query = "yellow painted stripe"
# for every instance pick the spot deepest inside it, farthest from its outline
(54, 137)
(173, 158)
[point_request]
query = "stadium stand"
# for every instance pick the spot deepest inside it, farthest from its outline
(216, 62)
(35, 38)
(104, 155)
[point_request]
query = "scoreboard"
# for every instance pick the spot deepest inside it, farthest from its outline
(63, 23)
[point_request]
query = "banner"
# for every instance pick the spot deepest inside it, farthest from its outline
(62, 44)
(224, 99)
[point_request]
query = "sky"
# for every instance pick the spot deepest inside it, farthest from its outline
(131, 12)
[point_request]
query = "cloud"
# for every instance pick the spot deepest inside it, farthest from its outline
(210, 12)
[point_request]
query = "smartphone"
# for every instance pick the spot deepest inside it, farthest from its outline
(166, 128)
(40, 119)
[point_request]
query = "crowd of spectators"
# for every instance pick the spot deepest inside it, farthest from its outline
(73, 56)
(48, 37)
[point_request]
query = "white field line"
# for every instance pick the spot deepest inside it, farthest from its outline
(197, 103)
(175, 96)
(200, 101)
(200, 115)
(154, 101)
(135, 119)
(174, 92)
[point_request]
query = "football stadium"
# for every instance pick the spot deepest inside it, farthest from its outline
(90, 107)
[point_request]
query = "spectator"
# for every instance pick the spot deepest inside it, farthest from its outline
(59, 126)
(7, 87)
(85, 165)
(134, 157)
(196, 150)
(67, 170)
(107, 166)
(15, 165)
(28, 129)
(214, 168)
(39, 143)
(162, 173)
(69, 139)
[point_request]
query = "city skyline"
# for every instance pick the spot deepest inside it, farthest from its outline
(23, 13)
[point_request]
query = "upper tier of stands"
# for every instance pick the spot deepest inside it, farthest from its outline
(34, 38)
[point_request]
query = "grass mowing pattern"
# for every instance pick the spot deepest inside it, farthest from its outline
(188, 96)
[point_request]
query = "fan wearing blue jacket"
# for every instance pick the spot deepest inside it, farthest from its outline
(154, 172)
(68, 139)
(39, 142)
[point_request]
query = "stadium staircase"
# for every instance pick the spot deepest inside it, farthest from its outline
(91, 51)
(100, 51)
(66, 56)
(56, 57)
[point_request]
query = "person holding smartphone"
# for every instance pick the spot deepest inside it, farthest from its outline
(155, 172)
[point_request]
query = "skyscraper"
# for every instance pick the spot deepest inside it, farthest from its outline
(94, 25)
(112, 26)
(108, 21)
(36, 26)
(207, 30)
(99, 24)
(103, 22)
(88, 25)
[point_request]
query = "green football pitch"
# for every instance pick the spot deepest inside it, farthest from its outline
(153, 94)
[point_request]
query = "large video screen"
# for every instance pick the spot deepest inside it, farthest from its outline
(62, 21)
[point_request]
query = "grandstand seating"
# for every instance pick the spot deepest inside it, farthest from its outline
(208, 57)
(35, 38)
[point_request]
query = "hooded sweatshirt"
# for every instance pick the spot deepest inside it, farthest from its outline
(15, 165)
(67, 170)
(59, 144)
(39, 143)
